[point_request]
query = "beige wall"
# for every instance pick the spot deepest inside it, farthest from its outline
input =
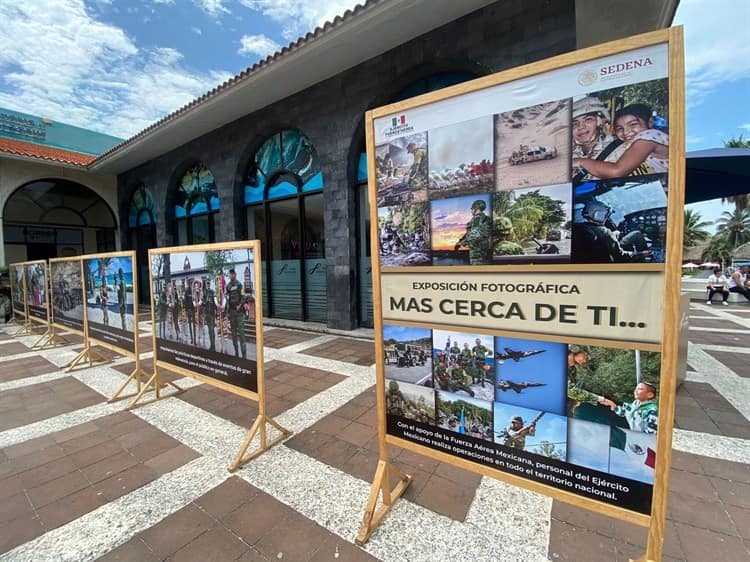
(16, 172)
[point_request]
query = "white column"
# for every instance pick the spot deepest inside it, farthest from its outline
(2, 244)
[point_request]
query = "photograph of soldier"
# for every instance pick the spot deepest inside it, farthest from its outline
(404, 235)
(464, 415)
(410, 401)
(108, 282)
(464, 364)
(408, 354)
(531, 374)
(616, 387)
(36, 290)
(16, 281)
(461, 159)
(621, 132)
(66, 284)
(402, 170)
(532, 225)
(531, 430)
(461, 230)
(618, 221)
(192, 312)
(532, 146)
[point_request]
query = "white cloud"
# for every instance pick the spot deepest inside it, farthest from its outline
(297, 17)
(259, 45)
(196, 30)
(213, 8)
(57, 61)
(716, 45)
(745, 126)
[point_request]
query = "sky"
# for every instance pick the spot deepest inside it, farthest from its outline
(117, 66)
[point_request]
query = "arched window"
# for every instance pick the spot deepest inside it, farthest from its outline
(142, 234)
(284, 210)
(423, 86)
(196, 205)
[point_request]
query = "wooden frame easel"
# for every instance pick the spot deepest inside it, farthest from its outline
(263, 420)
(25, 329)
(382, 496)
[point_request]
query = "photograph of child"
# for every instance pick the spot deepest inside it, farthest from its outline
(402, 170)
(616, 387)
(532, 146)
(463, 363)
(461, 230)
(531, 374)
(620, 221)
(532, 225)
(408, 354)
(535, 431)
(410, 401)
(621, 132)
(461, 159)
(404, 232)
(464, 415)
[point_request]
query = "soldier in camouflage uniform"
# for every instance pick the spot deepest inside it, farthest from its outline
(501, 239)
(208, 313)
(477, 235)
(515, 434)
(418, 173)
(454, 351)
(394, 399)
(235, 306)
(480, 361)
(458, 381)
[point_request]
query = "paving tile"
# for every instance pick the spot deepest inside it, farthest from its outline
(252, 520)
(18, 531)
(573, 544)
(177, 530)
(336, 549)
(215, 545)
(50, 471)
(14, 506)
(701, 545)
(109, 466)
(171, 459)
(135, 550)
(125, 482)
(699, 513)
(733, 493)
(70, 507)
(227, 497)
(299, 545)
(56, 489)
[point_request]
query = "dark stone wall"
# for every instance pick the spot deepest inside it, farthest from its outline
(503, 35)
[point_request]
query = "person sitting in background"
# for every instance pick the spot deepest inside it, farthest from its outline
(738, 282)
(717, 283)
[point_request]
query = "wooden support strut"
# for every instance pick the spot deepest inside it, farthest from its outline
(381, 485)
(87, 355)
(259, 426)
(49, 339)
(25, 329)
(154, 383)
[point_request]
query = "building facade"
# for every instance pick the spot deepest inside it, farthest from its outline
(277, 153)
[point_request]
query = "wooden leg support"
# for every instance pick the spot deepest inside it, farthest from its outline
(381, 485)
(88, 355)
(154, 383)
(258, 427)
(50, 338)
(26, 329)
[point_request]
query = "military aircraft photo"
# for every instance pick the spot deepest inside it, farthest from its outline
(515, 355)
(518, 387)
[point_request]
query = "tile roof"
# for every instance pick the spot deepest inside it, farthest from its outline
(245, 74)
(31, 150)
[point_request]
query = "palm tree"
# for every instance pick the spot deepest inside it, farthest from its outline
(695, 229)
(718, 250)
(741, 201)
(739, 142)
(735, 227)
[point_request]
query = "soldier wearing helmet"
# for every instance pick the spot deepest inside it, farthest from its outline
(418, 173)
(595, 242)
(477, 235)
(515, 434)
(590, 136)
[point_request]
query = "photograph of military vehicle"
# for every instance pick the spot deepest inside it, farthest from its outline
(402, 170)
(532, 146)
(461, 159)
(527, 225)
(526, 154)
(407, 354)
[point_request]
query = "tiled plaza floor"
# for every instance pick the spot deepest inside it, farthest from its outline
(81, 479)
